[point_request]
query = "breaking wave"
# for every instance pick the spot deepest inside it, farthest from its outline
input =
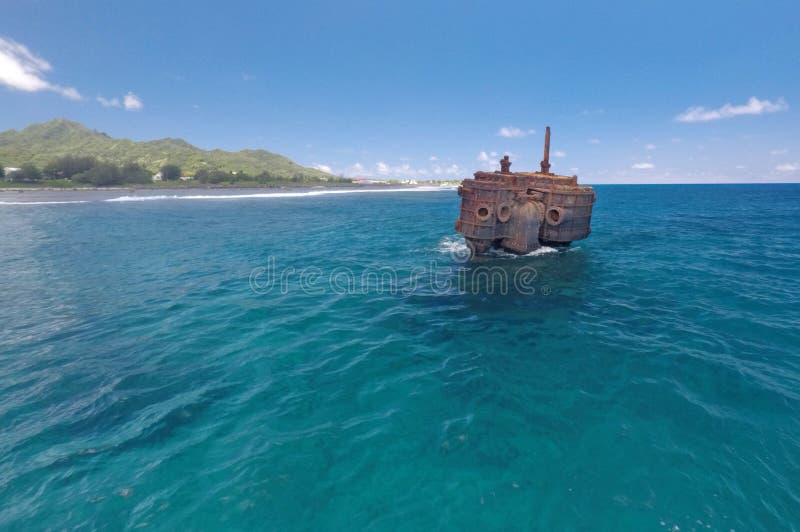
(544, 250)
(259, 195)
(452, 244)
(503, 254)
(456, 247)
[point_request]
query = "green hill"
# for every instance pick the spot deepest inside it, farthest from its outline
(42, 143)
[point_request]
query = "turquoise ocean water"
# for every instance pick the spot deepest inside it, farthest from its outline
(310, 362)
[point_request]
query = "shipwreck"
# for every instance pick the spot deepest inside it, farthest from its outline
(521, 211)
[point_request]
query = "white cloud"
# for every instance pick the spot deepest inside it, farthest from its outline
(594, 141)
(353, 170)
(490, 159)
(778, 152)
(491, 155)
(511, 132)
(402, 171)
(387, 170)
(452, 169)
(650, 147)
(132, 102)
(21, 69)
(433, 158)
(559, 153)
(69, 92)
(787, 167)
(113, 102)
(754, 106)
(643, 166)
(323, 168)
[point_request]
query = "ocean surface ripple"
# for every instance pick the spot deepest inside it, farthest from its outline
(331, 361)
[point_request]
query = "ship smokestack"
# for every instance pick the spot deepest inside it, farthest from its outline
(546, 162)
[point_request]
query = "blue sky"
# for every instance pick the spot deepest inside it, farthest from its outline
(426, 90)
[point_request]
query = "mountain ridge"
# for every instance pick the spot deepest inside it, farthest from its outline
(43, 142)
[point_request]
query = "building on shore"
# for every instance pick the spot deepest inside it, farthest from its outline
(8, 170)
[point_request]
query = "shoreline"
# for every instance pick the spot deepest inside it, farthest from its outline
(45, 196)
(217, 187)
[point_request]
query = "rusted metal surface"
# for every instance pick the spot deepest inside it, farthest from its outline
(521, 211)
(505, 165)
(545, 164)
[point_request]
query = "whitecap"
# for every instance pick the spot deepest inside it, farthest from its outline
(298, 194)
(503, 254)
(450, 244)
(457, 248)
(541, 251)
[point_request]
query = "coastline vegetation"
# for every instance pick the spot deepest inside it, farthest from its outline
(82, 171)
(65, 154)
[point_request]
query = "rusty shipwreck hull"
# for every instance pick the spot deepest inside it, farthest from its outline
(522, 211)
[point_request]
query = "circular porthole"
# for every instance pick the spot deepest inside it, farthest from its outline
(483, 213)
(555, 215)
(504, 212)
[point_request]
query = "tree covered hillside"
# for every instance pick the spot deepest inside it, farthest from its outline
(40, 144)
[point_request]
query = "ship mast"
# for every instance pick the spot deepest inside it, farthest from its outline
(546, 162)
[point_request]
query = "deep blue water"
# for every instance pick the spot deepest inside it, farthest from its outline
(647, 378)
